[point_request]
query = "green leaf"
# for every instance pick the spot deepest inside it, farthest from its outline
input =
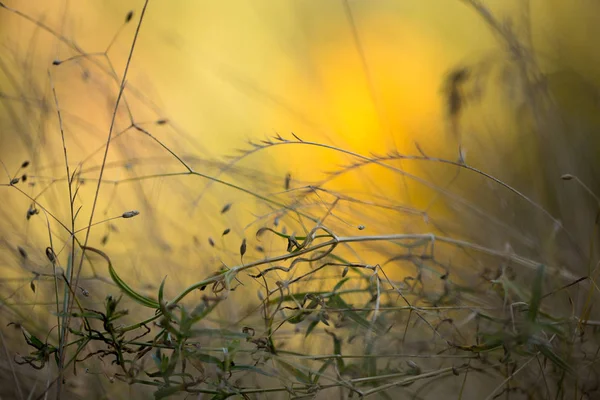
(167, 391)
(299, 375)
(298, 317)
(161, 291)
(201, 311)
(322, 371)
(251, 368)
(340, 284)
(32, 340)
(556, 360)
(337, 302)
(337, 350)
(536, 294)
(220, 333)
(157, 357)
(509, 286)
(311, 327)
(205, 358)
(137, 297)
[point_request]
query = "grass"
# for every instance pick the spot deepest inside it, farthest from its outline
(485, 290)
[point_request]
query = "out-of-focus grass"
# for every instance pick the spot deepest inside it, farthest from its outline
(365, 199)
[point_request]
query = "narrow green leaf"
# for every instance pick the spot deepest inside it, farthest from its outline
(337, 350)
(220, 333)
(137, 297)
(251, 368)
(536, 294)
(205, 358)
(32, 340)
(337, 302)
(311, 327)
(555, 358)
(322, 370)
(299, 375)
(298, 317)
(340, 284)
(161, 291)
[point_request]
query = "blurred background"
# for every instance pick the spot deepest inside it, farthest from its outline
(508, 87)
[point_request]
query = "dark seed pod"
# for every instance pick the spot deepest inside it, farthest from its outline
(129, 16)
(50, 254)
(24, 177)
(226, 231)
(226, 208)
(130, 214)
(567, 177)
(243, 248)
(211, 242)
(56, 62)
(32, 286)
(14, 181)
(25, 164)
(32, 211)
(288, 180)
(22, 252)
(162, 121)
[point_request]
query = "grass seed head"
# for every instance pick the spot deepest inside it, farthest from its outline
(22, 252)
(32, 211)
(226, 208)
(130, 214)
(50, 254)
(288, 180)
(243, 248)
